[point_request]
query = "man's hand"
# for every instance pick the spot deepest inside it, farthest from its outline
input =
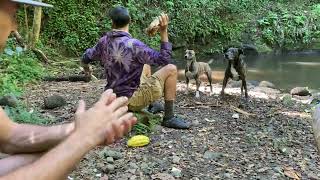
(164, 22)
(87, 69)
(107, 121)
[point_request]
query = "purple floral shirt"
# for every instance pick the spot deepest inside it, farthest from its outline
(123, 58)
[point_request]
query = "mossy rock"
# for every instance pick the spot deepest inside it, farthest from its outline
(54, 101)
(9, 100)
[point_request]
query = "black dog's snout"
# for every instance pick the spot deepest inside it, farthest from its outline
(226, 56)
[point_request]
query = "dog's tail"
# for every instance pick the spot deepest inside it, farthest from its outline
(210, 61)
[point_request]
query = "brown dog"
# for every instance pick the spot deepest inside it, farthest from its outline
(236, 70)
(195, 69)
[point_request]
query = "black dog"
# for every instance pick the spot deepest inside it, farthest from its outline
(236, 70)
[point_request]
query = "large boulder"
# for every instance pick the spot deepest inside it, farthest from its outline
(54, 101)
(300, 91)
(267, 84)
(9, 100)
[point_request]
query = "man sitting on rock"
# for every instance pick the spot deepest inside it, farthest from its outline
(124, 57)
(38, 152)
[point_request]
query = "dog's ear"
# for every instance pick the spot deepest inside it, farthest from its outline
(241, 51)
(225, 50)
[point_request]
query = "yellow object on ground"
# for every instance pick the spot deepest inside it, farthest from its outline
(138, 141)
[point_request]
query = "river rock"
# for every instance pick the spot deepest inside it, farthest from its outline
(110, 168)
(54, 101)
(287, 100)
(300, 91)
(110, 160)
(212, 155)
(176, 172)
(316, 126)
(9, 100)
(175, 159)
(267, 84)
(109, 153)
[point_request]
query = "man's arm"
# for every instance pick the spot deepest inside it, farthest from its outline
(107, 121)
(21, 138)
(92, 54)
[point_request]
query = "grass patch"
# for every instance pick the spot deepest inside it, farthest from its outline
(22, 114)
(146, 122)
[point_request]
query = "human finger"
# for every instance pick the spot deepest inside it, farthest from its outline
(118, 103)
(104, 99)
(81, 107)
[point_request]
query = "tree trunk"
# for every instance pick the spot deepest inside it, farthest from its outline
(36, 26)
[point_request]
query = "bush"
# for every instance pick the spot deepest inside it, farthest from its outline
(287, 28)
(17, 68)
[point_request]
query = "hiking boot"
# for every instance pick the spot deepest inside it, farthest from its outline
(156, 107)
(175, 123)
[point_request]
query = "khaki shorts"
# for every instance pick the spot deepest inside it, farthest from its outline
(150, 90)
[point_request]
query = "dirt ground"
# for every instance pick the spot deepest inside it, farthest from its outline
(273, 141)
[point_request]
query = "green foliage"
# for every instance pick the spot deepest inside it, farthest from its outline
(21, 114)
(74, 25)
(146, 123)
(17, 68)
(287, 28)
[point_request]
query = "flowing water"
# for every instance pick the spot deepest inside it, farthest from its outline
(286, 72)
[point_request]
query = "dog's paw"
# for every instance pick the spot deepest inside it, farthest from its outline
(211, 94)
(197, 94)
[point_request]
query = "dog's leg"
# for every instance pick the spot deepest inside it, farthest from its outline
(242, 88)
(187, 81)
(224, 85)
(244, 84)
(209, 73)
(198, 83)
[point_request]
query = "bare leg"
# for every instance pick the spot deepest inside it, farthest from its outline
(14, 162)
(168, 74)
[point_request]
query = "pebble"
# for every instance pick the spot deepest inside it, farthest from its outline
(110, 159)
(235, 116)
(196, 123)
(175, 159)
(176, 172)
(212, 155)
(227, 175)
(110, 168)
(133, 165)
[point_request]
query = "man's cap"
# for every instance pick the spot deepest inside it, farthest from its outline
(33, 3)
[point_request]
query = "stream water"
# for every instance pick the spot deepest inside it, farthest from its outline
(286, 72)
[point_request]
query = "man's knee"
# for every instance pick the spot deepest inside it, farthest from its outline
(171, 69)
